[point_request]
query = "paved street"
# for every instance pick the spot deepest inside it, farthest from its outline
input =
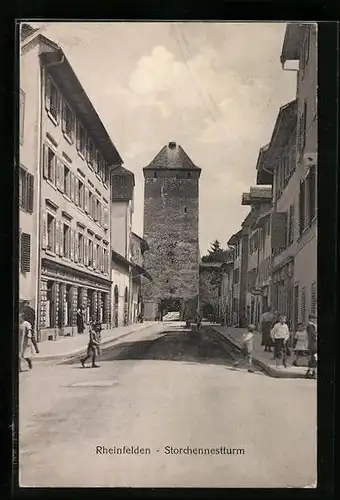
(165, 389)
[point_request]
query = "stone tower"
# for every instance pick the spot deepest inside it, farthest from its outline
(171, 208)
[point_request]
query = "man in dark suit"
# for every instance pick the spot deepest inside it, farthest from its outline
(29, 315)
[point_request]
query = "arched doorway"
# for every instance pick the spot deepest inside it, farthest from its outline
(116, 305)
(208, 311)
(126, 306)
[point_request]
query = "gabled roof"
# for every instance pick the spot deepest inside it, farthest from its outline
(292, 42)
(26, 31)
(67, 81)
(284, 126)
(235, 237)
(172, 157)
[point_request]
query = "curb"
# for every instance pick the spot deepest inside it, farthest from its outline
(272, 372)
(67, 356)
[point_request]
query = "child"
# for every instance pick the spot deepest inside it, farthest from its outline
(248, 347)
(301, 346)
(280, 337)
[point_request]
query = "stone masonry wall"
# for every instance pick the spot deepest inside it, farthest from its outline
(171, 230)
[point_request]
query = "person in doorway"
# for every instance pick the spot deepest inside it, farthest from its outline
(312, 346)
(80, 320)
(280, 336)
(266, 324)
(29, 315)
(301, 343)
(25, 342)
(91, 348)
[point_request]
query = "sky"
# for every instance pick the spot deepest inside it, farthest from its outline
(213, 88)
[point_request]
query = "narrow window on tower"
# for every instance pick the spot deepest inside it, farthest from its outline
(185, 210)
(189, 175)
(155, 175)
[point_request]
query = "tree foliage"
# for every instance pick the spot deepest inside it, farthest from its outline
(216, 253)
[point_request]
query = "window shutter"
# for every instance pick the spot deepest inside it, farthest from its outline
(279, 231)
(76, 191)
(106, 217)
(86, 199)
(61, 239)
(44, 230)
(25, 252)
(302, 207)
(58, 173)
(62, 175)
(57, 236)
(47, 93)
(58, 107)
(45, 161)
(76, 247)
(71, 244)
(94, 256)
(63, 116)
(86, 251)
(313, 298)
(77, 127)
(72, 182)
(30, 192)
(292, 224)
(54, 169)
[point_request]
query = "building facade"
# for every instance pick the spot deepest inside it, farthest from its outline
(300, 46)
(28, 165)
(171, 210)
(76, 156)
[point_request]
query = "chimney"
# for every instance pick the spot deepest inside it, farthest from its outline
(172, 145)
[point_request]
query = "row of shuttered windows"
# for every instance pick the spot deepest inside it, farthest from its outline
(74, 244)
(60, 110)
(59, 174)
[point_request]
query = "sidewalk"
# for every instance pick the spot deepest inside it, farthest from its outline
(263, 359)
(66, 347)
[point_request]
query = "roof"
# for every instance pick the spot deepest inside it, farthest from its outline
(172, 157)
(262, 218)
(285, 123)
(138, 270)
(235, 237)
(68, 83)
(292, 42)
(26, 31)
(120, 170)
(143, 242)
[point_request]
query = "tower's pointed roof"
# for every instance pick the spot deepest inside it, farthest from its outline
(172, 156)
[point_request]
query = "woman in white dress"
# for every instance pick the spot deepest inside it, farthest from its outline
(26, 349)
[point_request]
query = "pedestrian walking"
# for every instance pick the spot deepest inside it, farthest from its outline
(29, 315)
(312, 346)
(98, 329)
(91, 348)
(198, 320)
(266, 324)
(300, 343)
(26, 348)
(280, 337)
(248, 347)
(80, 320)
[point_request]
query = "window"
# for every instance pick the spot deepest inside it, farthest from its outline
(26, 190)
(67, 181)
(68, 121)
(25, 252)
(302, 208)
(81, 248)
(81, 139)
(22, 116)
(90, 260)
(81, 194)
(311, 184)
(98, 256)
(301, 140)
(189, 175)
(291, 225)
(52, 100)
(98, 211)
(185, 210)
(106, 262)
(155, 175)
(91, 153)
(51, 232)
(91, 203)
(49, 164)
(66, 241)
(313, 298)
(303, 305)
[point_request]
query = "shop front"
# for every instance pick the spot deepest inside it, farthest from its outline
(63, 292)
(282, 290)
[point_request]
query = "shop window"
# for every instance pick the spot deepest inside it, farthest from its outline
(50, 305)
